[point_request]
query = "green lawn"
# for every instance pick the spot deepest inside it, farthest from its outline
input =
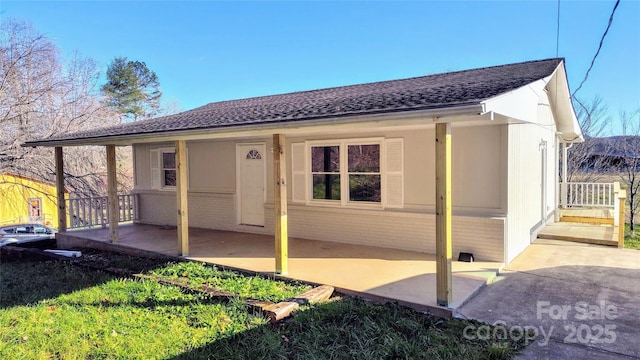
(55, 309)
(255, 287)
(632, 241)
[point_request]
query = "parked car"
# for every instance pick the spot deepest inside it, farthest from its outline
(25, 233)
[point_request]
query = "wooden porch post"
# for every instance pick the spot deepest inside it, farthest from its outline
(181, 198)
(622, 197)
(280, 203)
(62, 206)
(443, 214)
(112, 194)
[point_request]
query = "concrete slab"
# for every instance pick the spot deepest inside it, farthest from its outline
(380, 273)
(582, 300)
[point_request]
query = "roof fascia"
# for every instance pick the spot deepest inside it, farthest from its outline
(405, 118)
(557, 88)
(560, 98)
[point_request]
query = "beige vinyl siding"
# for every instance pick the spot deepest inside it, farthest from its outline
(478, 224)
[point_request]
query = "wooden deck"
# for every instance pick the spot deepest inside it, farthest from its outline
(580, 232)
(595, 216)
(373, 272)
(590, 225)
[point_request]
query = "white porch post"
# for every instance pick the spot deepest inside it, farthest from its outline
(181, 198)
(443, 214)
(62, 206)
(280, 204)
(112, 194)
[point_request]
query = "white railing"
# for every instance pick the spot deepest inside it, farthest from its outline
(587, 194)
(94, 211)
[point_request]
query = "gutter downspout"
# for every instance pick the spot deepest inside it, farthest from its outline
(564, 190)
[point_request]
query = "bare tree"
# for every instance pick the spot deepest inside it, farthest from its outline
(593, 117)
(626, 152)
(42, 96)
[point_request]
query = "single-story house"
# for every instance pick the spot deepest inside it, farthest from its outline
(465, 161)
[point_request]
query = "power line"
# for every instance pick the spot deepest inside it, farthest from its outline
(599, 47)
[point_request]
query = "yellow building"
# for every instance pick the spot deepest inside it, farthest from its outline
(27, 200)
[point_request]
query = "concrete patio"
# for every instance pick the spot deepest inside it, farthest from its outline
(372, 272)
(553, 273)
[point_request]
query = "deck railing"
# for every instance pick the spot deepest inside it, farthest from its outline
(93, 211)
(587, 194)
(618, 214)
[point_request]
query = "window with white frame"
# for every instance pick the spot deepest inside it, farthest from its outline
(163, 168)
(363, 171)
(351, 172)
(325, 172)
(168, 168)
(346, 172)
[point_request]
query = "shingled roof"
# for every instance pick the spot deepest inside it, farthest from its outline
(440, 91)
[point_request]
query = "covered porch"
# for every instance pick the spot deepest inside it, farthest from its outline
(181, 241)
(367, 271)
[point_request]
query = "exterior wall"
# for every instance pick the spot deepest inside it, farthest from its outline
(526, 215)
(479, 198)
(401, 230)
(16, 191)
(478, 168)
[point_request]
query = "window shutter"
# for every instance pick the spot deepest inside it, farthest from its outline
(155, 169)
(299, 181)
(394, 174)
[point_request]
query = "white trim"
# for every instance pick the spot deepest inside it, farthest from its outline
(134, 164)
(160, 179)
(344, 173)
(161, 152)
(262, 146)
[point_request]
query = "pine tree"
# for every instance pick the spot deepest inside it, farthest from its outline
(132, 89)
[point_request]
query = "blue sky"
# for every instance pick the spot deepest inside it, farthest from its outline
(205, 51)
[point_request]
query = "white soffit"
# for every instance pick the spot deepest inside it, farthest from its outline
(520, 104)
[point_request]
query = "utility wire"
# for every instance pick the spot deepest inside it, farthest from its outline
(599, 47)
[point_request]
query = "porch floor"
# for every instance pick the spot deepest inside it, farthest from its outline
(374, 272)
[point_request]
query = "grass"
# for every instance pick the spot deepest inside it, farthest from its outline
(93, 315)
(632, 241)
(255, 287)
(55, 309)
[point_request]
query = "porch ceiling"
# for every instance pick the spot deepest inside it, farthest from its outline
(405, 276)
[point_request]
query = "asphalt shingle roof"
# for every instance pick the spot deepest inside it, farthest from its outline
(446, 90)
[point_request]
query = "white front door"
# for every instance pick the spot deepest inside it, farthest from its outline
(251, 183)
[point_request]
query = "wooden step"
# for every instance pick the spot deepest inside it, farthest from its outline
(578, 239)
(586, 220)
(580, 232)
